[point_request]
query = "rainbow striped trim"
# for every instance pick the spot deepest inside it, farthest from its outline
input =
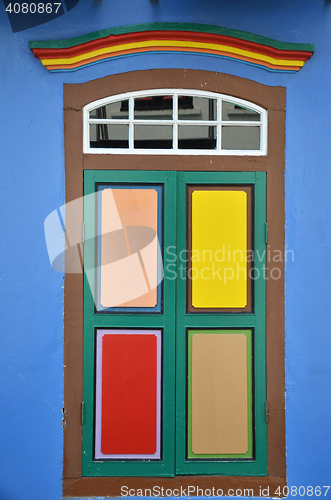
(76, 53)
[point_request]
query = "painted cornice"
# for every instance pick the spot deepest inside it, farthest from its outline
(76, 53)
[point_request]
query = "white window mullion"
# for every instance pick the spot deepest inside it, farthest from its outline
(175, 118)
(219, 125)
(197, 122)
(264, 136)
(131, 124)
(110, 121)
(86, 130)
(242, 124)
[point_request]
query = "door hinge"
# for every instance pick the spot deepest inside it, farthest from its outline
(63, 419)
(267, 411)
(83, 232)
(266, 232)
(82, 411)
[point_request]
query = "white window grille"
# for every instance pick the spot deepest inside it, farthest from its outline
(181, 122)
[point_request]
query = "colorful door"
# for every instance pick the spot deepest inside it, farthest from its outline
(174, 323)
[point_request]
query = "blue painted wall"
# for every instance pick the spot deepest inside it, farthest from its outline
(32, 186)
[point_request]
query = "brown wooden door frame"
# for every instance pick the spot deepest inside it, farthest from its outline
(76, 96)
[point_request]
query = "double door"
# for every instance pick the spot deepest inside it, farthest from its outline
(174, 323)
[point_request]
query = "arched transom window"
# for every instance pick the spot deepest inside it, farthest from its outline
(175, 122)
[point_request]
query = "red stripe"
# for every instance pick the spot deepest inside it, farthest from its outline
(129, 394)
(113, 40)
(105, 57)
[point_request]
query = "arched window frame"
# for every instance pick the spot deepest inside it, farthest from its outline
(79, 162)
(263, 123)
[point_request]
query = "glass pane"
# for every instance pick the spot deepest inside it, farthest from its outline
(196, 108)
(233, 112)
(220, 257)
(109, 136)
(157, 107)
(128, 394)
(115, 110)
(241, 137)
(153, 136)
(196, 137)
(219, 248)
(220, 423)
(129, 255)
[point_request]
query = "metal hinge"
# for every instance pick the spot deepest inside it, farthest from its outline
(267, 411)
(266, 232)
(63, 419)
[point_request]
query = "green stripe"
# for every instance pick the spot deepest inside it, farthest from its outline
(200, 28)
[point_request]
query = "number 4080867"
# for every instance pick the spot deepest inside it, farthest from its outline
(33, 8)
(301, 491)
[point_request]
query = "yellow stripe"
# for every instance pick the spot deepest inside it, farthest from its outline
(171, 43)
